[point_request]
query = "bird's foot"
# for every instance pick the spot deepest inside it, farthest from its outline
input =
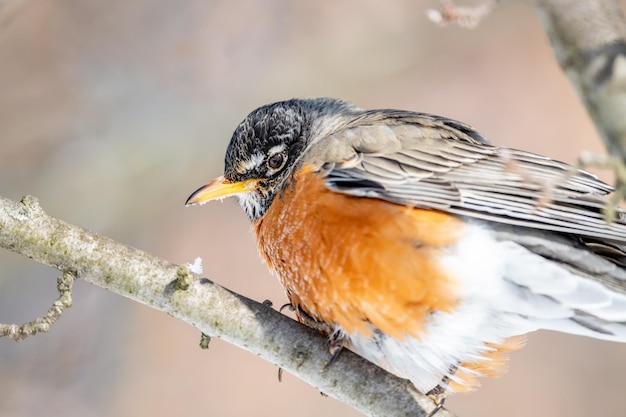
(336, 346)
(438, 395)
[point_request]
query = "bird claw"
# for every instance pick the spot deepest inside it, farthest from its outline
(336, 346)
(284, 306)
(438, 395)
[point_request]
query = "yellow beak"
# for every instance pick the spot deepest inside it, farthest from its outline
(220, 188)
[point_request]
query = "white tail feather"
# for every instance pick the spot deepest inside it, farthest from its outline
(592, 308)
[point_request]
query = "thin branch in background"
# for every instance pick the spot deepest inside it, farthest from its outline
(589, 42)
(43, 324)
(465, 16)
(588, 159)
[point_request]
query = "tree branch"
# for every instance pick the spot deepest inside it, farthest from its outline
(43, 324)
(589, 41)
(26, 229)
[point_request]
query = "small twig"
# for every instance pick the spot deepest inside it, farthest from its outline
(588, 159)
(43, 324)
(467, 17)
(205, 339)
(547, 187)
(184, 279)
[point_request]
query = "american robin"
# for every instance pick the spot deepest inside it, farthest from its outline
(417, 244)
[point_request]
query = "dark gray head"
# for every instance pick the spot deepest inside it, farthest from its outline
(267, 146)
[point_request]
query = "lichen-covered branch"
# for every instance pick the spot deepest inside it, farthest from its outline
(26, 229)
(589, 41)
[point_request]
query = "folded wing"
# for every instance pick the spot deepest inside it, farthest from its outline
(432, 162)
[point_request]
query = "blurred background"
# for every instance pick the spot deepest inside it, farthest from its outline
(112, 113)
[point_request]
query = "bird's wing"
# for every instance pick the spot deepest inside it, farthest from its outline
(432, 162)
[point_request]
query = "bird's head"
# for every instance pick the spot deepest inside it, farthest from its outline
(265, 150)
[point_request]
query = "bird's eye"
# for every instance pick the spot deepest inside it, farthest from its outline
(276, 161)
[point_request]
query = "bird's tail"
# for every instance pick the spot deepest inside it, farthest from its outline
(578, 286)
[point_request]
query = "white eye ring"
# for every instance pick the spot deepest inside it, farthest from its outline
(276, 161)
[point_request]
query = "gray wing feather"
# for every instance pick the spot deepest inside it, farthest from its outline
(431, 162)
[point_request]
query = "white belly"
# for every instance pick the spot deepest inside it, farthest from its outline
(506, 291)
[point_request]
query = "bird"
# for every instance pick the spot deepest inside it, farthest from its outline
(413, 241)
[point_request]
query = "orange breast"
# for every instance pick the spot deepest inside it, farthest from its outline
(358, 262)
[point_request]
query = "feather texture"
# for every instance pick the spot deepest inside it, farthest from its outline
(458, 172)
